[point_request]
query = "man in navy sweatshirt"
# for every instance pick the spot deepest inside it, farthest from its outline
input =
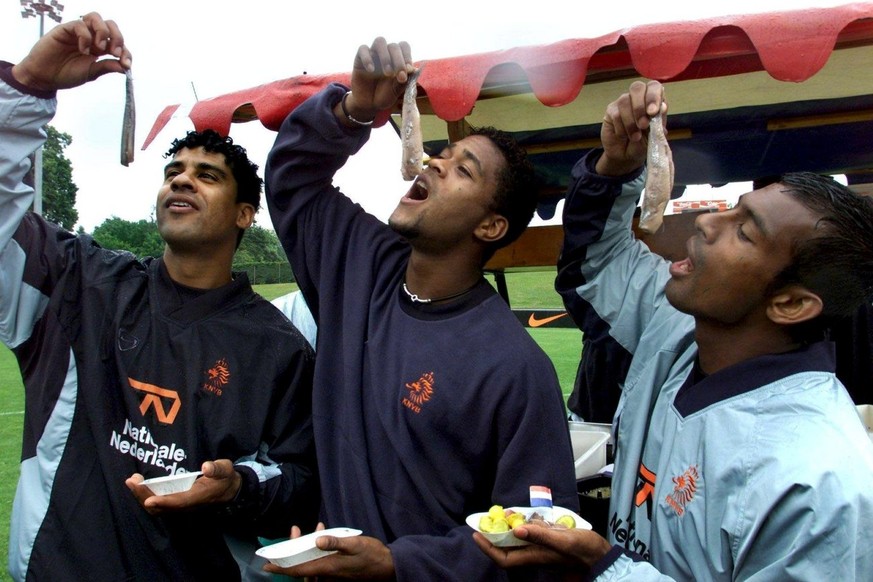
(431, 401)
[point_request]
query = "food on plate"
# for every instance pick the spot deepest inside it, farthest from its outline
(566, 521)
(499, 520)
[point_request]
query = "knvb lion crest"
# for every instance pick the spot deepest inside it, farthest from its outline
(419, 392)
(217, 377)
(684, 488)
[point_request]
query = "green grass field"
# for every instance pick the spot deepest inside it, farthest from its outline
(526, 290)
(11, 420)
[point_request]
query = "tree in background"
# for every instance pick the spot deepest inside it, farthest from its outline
(140, 237)
(261, 256)
(259, 245)
(58, 189)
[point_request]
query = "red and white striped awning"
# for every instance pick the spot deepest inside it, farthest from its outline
(790, 46)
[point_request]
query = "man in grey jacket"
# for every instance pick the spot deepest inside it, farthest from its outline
(738, 452)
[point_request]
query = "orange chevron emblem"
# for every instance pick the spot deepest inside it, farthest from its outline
(534, 322)
(646, 486)
(153, 397)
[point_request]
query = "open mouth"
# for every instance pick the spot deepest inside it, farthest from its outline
(418, 191)
(682, 267)
(178, 203)
(686, 265)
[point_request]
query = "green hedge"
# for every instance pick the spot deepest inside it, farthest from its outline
(266, 273)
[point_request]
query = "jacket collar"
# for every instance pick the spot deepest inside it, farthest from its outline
(187, 305)
(700, 391)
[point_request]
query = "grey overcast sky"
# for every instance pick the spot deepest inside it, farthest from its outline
(183, 46)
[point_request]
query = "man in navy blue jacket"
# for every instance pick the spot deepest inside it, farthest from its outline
(148, 367)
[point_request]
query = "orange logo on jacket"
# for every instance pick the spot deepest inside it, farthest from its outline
(420, 392)
(645, 488)
(156, 397)
(217, 376)
(684, 488)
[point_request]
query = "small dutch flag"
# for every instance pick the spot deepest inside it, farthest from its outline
(541, 498)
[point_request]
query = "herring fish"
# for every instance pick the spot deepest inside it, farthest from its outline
(128, 126)
(659, 177)
(410, 131)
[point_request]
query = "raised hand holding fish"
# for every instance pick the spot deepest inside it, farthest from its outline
(69, 55)
(659, 177)
(625, 123)
(379, 75)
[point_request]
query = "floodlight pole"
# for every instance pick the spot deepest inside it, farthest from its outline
(52, 9)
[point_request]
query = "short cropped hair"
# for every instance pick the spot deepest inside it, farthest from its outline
(837, 263)
(517, 192)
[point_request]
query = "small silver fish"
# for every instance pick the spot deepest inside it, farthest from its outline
(410, 131)
(659, 177)
(128, 126)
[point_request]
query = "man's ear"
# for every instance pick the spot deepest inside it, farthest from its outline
(493, 227)
(246, 215)
(794, 304)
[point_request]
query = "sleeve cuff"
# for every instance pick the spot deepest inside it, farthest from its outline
(589, 164)
(247, 497)
(6, 76)
(614, 553)
(335, 91)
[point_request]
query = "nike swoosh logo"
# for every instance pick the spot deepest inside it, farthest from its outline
(534, 322)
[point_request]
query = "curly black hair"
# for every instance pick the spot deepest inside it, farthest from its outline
(245, 172)
(517, 192)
